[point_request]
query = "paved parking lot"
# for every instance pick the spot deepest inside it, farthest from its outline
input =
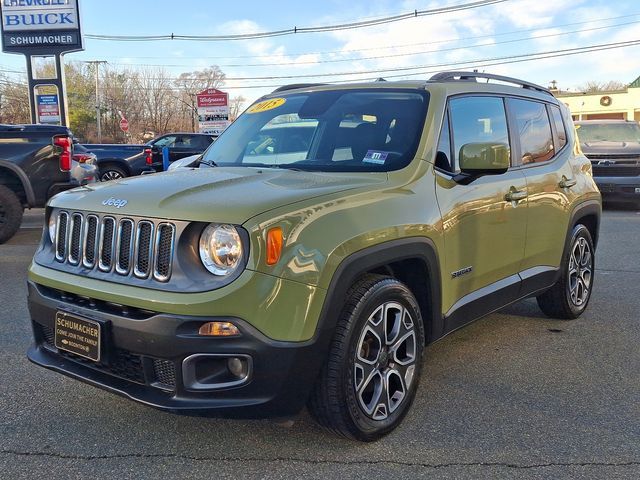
(515, 395)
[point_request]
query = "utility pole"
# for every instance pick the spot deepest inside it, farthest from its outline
(96, 64)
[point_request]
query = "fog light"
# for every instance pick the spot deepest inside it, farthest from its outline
(237, 367)
(219, 329)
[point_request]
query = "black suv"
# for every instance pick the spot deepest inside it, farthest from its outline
(613, 146)
(36, 162)
(179, 145)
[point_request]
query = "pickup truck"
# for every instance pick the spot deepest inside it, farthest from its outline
(36, 162)
(119, 161)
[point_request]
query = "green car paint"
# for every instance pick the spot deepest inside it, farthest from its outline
(479, 237)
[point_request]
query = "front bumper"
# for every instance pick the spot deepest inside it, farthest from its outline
(143, 354)
(621, 189)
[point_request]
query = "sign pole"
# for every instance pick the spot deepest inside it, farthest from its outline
(58, 82)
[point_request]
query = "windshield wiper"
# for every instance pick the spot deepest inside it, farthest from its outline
(209, 163)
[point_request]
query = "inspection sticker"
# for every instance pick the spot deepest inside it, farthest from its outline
(266, 105)
(374, 156)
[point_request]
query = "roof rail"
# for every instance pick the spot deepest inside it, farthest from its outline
(474, 76)
(295, 86)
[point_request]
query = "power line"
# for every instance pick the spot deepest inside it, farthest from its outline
(390, 47)
(379, 57)
(296, 29)
(417, 67)
(424, 69)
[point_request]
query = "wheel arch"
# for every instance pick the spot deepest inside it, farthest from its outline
(15, 173)
(587, 214)
(413, 261)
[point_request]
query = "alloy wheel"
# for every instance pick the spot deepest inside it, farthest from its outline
(580, 272)
(110, 175)
(385, 360)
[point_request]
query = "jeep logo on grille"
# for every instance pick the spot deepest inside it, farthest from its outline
(114, 202)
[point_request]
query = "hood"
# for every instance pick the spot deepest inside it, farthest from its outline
(604, 147)
(225, 195)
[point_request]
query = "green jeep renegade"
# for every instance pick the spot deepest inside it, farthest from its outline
(326, 237)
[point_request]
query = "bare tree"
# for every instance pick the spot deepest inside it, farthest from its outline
(155, 88)
(14, 100)
(235, 107)
(593, 86)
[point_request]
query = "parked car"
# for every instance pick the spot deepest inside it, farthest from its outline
(613, 146)
(119, 161)
(82, 155)
(36, 162)
(266, 281)
(180, 145)
(186, 162)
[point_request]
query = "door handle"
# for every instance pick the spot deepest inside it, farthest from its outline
(567, 182)
(516, 195)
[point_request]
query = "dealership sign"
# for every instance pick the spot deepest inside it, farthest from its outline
(40, 26)
(48, 109)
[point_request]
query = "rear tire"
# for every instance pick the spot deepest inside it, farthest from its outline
(10, 213)
(569, 297)
(373, 368)
(111, 172)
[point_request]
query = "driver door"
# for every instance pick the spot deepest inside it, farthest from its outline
(484, 222)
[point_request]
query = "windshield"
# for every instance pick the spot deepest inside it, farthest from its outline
(343, 130)
(609, 132)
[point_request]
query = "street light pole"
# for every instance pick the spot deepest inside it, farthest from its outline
(96, 64)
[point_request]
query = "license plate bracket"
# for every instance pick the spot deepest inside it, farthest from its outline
(78, 335)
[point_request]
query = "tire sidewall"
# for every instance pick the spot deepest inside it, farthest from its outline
(580, 231)
(104, 171)
(384, 291)
(13, 213)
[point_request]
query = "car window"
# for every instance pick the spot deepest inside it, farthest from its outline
(199, 141)
(561, 132)
(609, 132)
(534, 130)
(168, 141)
(284, 139)
(477, 120)
(345, 130)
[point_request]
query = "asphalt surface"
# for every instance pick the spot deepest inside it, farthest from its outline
(514, 395)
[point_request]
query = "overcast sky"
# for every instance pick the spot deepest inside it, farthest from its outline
(511, 28)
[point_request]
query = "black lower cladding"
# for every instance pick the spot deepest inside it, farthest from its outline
(143, 352)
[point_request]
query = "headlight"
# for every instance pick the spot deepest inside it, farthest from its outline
(220, 249)
(52, 227)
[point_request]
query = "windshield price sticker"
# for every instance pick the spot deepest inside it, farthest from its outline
(266, 105)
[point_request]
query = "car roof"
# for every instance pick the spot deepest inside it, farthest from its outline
(452, 82)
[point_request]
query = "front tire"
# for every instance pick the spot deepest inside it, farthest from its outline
(569, 297)
(10, 213)
(371, 375)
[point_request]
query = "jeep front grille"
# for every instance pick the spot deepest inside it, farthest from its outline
(123, 246)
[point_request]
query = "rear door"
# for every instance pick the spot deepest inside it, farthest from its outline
(484, 229)
(544, 157)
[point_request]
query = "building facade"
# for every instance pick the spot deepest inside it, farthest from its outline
(615, 105)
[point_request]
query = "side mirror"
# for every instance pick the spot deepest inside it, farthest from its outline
(478, 159)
